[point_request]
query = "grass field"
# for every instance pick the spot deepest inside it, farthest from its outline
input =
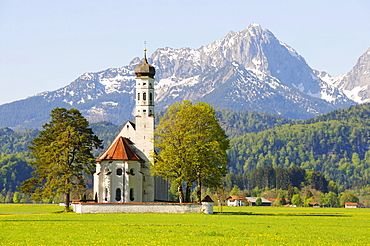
(236, 226)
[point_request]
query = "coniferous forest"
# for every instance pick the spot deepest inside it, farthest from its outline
(269, 156)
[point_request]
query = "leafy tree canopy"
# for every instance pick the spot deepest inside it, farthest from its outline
(191, 147)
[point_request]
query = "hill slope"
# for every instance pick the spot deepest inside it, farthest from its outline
(336, 144)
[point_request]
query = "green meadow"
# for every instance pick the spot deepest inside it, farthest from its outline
(47, 225)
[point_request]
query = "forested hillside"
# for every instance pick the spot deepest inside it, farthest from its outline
(238, 123)
(336, 144)
(13, 160)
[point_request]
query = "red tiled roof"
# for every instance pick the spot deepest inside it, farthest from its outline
(236, 198)
(351, 203)
(120, 150)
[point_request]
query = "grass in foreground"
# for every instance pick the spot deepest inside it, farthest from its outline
(236, 226)
(29, 208)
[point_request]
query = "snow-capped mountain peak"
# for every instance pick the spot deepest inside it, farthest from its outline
(245, 70)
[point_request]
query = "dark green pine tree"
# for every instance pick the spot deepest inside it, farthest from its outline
(62, 156)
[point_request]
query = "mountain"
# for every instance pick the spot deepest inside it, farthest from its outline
(250, 69)
(245, 70)
(355, 84)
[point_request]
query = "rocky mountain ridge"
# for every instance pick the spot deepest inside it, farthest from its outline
(246, 70)
(356, 83)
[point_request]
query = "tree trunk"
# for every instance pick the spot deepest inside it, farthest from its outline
(66, 201)
(181, 194)
(187, 193)
(199, 188)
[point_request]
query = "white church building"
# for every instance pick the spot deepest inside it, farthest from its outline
(123, 170)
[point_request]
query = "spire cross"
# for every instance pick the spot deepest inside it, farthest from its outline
(145, 49)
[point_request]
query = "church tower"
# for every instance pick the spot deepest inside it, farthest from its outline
(123, 170)
(144, 110)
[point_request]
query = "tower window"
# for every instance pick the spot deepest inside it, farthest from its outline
(150, 96)
(138, 96)
(144, 96)
(119, 171)
(132, 171)
(144, 83)
(132, 194)
(118, 194)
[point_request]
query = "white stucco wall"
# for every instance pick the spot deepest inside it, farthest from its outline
(84, 208)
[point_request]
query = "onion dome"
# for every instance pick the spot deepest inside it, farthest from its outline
(145, 69)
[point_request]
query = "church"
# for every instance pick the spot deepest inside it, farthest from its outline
(123, 170)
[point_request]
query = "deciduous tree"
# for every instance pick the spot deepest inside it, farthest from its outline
(297, 200)
(62, 156)
(259, 201)
(191, 147)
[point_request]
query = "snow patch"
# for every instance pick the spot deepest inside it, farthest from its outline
(110, 103)
(257, 63)
(96, 111)
(354, 94)
(300, 87)
(86, 76)
(327, 97)
(317, 95)
(81, 101)
(169, 82)
(69, 102)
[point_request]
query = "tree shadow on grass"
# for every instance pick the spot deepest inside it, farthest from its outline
(286, 214)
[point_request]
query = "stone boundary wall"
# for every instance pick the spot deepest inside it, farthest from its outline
(181, 208)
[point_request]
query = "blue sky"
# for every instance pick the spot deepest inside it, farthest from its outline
(45, 45)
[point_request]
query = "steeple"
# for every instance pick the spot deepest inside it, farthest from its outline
(144, 110)
(145, 69)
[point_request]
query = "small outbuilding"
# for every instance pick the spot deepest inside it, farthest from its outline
(351, 205)
(252, 201)
(235, 201)
(246, 201)
(313, 204)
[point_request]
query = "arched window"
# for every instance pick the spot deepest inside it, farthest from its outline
(118, 194)
(144, 96)
(150, 96)
(138, 96)
(132, 171)
(132, 194)
(119, 171)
